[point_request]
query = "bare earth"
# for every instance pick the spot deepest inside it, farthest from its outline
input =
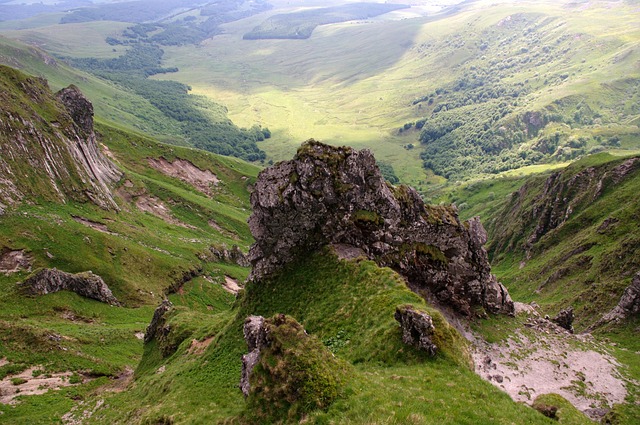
(14, 261)
(34, 385)
(187, 172)
(542, 358)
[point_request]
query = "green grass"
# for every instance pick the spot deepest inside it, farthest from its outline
(388, 383)
(141, 257)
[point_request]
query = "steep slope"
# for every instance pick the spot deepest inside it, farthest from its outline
(309, 306)
(566, 242)
(349, 305)
(174, 216)
(569, 238)
(56, 158)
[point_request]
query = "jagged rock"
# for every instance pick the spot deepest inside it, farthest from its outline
(330, 195)
(255, 334)
(79, 107)
(86, 284)
(52, 136)
(157, 328)
(233, 255)
(564, 319)
(101, 170)
(417, 328)
(563, 193)
(629, 304)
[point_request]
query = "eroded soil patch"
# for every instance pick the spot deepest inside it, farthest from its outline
(155, 206)
(24, 383)
(100, 227)
(13, 261)
(542, 358)
(184, 170)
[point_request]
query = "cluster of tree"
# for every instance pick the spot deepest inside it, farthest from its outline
(201, 122)
(388, 172)
(476, 124)
(153, 27)
(300, 25)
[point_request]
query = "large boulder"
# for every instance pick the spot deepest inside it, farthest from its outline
(337, 195)
(86, 284)
(417, 328)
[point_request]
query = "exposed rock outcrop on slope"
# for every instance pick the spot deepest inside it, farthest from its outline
(48, 148)
(417, 328)
(628, 306)
(330, 195)
(287, 370)
(563, 195)
(87, 284)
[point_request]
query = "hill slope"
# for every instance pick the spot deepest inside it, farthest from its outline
(178, 212)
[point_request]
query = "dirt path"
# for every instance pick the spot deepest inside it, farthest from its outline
(542, 358)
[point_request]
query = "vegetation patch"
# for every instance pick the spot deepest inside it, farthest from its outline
(300, 25)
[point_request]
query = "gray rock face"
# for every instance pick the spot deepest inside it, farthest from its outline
(157, 328)
(629, 304)
(52, 137)
(233, 255)
(564, 319)
(86, 284)
(417, 328)
(101, 171)
(255, 334)
(329, 195)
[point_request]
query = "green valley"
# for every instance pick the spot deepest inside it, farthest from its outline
(204, 216)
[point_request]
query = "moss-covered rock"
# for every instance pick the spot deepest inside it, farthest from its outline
(295, 373)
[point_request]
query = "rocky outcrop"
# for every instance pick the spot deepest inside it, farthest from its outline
(86, 284)
(157, 328)
(101, 171)
(13, 261)
(563, 194)
(255, 335)
(417, 328)
(628, 306)
(564, 319)
(233, 255)
(50, 138)
(330, 195)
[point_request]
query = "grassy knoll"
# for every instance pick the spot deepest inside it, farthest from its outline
(388, 381)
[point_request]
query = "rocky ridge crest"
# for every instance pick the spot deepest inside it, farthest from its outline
(51, 139)
(337, 195)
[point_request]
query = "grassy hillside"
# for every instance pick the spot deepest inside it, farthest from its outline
(389, 382)
(477, 89)
(566, 239)
(157, 244)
